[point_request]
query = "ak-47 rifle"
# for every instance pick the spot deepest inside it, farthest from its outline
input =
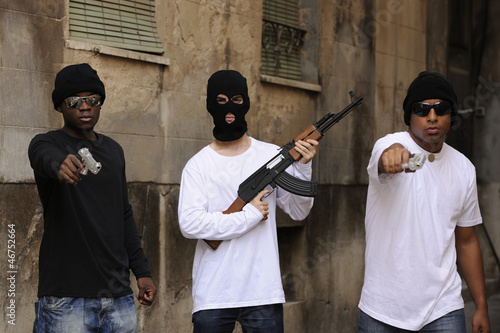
(273, 172)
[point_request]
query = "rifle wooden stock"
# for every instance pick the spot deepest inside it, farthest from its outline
(236, 206)
(213, 244)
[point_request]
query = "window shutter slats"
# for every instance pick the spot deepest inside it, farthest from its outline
(281, 39)
(123, 24)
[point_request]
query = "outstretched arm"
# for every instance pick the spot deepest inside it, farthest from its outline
(471, 264)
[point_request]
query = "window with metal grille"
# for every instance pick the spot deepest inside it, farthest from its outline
(282, 39)
(124, 24)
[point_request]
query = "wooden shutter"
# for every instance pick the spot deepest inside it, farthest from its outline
(124, 24)
(281, 39)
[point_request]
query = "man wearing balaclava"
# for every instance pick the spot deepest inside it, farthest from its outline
(241, 279)
(90, 240)
(420, 223)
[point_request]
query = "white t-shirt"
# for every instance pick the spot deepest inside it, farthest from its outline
(411, 277)
(244, 270)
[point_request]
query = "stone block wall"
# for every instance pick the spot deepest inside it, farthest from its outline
(155, 108)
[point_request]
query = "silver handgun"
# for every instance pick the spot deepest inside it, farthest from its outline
(89, 162)
(415, 162)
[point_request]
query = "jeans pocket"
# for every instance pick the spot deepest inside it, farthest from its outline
(51, 303)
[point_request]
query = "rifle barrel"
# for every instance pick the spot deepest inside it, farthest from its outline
(331, 119)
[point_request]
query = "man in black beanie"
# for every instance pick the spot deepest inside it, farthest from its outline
(90, 239)
(241, 280)
(420, 221)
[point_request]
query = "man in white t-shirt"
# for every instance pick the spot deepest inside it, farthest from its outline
(420, 223)
(240, 280)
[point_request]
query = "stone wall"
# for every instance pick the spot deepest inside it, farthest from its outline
(155, 108)
(487, 138)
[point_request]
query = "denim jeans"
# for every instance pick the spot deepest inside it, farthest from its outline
(453, 322)
(82, 315)
(253, 319)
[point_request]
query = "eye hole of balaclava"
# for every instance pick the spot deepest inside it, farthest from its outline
(229, 83)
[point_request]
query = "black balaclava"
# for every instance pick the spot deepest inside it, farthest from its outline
(430, 85)
(229, 83)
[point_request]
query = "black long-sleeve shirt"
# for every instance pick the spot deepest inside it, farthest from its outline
(90, 238)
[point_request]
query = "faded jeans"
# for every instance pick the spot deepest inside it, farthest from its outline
(453, 322)
(83, 315)
(253, 319)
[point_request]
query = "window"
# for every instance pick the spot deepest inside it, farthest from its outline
(282, 39)
(125, 24)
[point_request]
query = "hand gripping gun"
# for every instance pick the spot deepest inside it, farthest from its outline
(273, 172)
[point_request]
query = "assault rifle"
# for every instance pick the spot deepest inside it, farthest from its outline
(273, 172)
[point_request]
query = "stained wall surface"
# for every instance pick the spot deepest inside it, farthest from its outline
(155, 108)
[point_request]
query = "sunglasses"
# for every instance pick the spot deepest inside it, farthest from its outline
(422, 109)
(75, 102)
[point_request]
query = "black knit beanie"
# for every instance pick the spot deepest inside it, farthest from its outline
(429, 85)
(75, 79)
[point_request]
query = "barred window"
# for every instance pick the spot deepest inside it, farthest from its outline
(282, 39)
(125, 24)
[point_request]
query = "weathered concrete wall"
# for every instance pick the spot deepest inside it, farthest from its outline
(22, 226)
(29, 54)
(487, 137)
(157, 112)
(333, 267)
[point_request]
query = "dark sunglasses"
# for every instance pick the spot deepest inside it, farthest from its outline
(75, 102)
(422, 109)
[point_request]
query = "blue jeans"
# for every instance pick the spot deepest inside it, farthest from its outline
(253, 319)
(453, 322)
(82, 315)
